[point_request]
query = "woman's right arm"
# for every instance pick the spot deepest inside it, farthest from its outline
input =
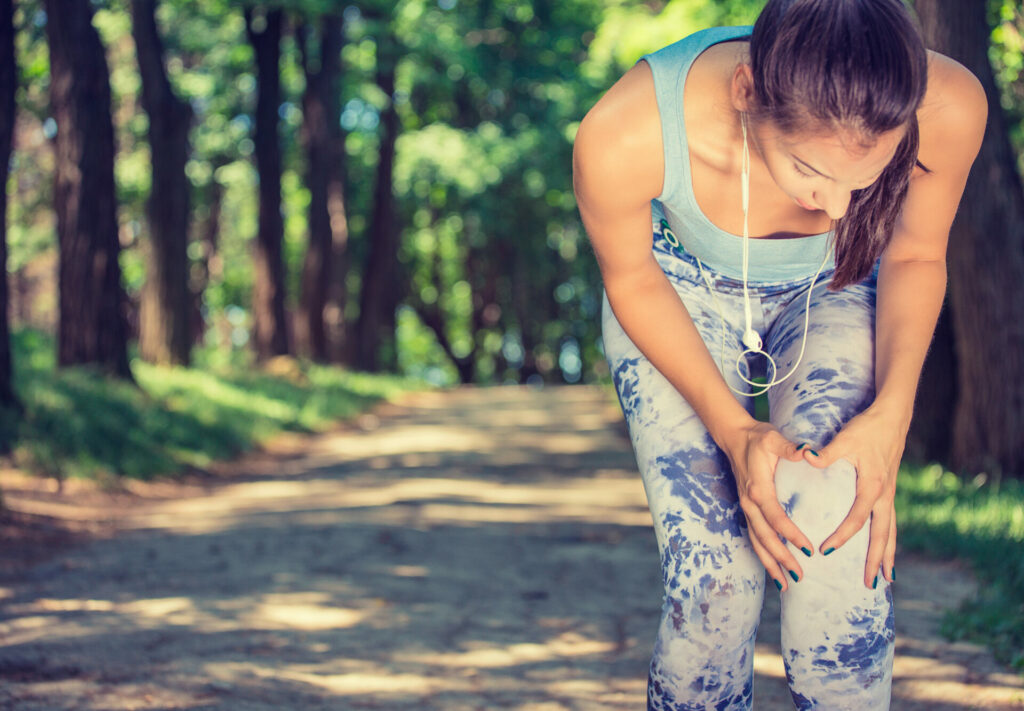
(618, 167)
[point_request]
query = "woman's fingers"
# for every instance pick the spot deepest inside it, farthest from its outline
(776, 517)
(889, 557)
(754, 467)
(791, 451)
(769, 540)
(775, 571)
(869, 490)
(877, 542)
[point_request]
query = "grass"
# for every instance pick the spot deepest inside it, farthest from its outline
(982, 522)
(78, 423)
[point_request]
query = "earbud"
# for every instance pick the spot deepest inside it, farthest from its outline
(752, 341)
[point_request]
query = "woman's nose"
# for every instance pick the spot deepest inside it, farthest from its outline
(834, 202)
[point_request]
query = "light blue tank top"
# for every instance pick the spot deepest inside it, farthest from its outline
(770, 259)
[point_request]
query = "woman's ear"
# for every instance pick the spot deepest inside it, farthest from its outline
(741, 89)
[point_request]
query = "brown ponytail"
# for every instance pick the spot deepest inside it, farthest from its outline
(854, 65)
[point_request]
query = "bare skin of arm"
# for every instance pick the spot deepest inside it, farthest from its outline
(616, 173)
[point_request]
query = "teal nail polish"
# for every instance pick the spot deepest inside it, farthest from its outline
(777, 583)
(828, 551)
(806, 550)
(796, 578)
(813, 452)
(802, 445)
(874, 583)
(893, 574)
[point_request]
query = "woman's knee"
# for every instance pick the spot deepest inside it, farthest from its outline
(816, 499)
(712, 617)
(713, 581)
(837, 633)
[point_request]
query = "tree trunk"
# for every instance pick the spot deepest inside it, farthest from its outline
(523, 305)
(165, 308)
(340, 342)
(208, 265)
(328, 224)
(270, 331)
(375, 334)
(931, 428)
(433, 318)
(8, 86)
(986, 264)
(92, 325)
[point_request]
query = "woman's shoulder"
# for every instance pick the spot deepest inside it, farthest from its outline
(952, 115)
(633, 95)
(620, 136)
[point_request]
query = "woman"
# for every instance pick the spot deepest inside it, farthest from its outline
(802, 177)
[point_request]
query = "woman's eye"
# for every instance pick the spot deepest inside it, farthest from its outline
(799, 170)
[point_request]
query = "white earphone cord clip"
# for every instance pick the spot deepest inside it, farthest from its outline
(751, 339)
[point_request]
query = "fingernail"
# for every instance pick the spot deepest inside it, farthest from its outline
(796, 578)
(802, 445)
(829, 550)
(874, 583)
(892, 575)
(807, 551)
(777, 583)
(813, 452)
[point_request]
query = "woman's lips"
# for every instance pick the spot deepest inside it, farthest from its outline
(804, 205)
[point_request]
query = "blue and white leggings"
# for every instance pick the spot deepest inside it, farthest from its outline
(837, 634)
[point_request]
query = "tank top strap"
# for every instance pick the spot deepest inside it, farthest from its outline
(670, 65)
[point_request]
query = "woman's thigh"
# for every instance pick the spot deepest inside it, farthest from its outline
(689, 483)
(684, 472)
(834, 378)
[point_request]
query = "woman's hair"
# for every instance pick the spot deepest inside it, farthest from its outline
(852, 66)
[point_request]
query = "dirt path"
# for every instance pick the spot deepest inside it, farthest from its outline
(470, 550)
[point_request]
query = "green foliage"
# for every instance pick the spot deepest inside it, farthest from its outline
(30, 219)
(630, 30)
(489, 95)
(1006, 54)
(79, 423)
(982, 522)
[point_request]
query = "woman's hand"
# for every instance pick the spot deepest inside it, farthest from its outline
(873, 442)
(754, 450)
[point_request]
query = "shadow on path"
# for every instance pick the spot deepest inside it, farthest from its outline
(468, 550)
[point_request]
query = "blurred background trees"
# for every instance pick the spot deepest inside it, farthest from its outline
(383, 186)
(8, 87)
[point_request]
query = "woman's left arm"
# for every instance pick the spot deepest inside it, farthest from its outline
(911, 286)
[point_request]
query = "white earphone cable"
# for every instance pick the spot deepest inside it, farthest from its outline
(751, 339)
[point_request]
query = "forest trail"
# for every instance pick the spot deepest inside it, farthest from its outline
(474, 549)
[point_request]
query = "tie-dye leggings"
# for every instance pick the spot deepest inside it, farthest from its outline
(837, 634)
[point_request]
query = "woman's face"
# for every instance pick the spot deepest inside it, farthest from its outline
(819, 172)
